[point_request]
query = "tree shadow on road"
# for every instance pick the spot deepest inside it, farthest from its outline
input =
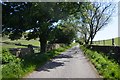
(63, 56)
(50, 65)
(54, 64)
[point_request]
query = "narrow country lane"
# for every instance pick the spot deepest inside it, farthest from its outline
(69, 64)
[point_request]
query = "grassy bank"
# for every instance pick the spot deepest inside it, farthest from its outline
(16, 68)
(106, 67)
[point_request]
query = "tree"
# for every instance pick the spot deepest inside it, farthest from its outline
(13, 19)
(38, 18)
(64, 33)
(93, 18)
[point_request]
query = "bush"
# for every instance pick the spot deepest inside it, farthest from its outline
(109, 69)
(12, 70)
(7, 57)
(11, 67)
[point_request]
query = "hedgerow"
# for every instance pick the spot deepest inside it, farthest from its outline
(107, 68)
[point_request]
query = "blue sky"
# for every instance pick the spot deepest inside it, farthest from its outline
(110, 30)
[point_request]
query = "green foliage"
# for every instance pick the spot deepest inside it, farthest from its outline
(11, 65)
(109, 69)
(38, 18)
(79, 40)
(64, 34)
(93, 17)
(7, 57)
(18, 68)
(12, 70)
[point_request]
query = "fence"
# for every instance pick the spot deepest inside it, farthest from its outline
(109, 42)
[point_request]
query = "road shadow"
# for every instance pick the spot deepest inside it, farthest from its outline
(50, 65)
(63, 56)
(56, 62)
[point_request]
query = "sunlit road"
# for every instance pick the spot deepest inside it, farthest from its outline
(70, 64)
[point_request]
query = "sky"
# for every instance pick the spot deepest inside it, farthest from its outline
(110, 30)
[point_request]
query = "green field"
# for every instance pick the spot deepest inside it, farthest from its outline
(108, 42)
(7, 43)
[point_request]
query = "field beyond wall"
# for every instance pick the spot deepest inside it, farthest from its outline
(108, 42)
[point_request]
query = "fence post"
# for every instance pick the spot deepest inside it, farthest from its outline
(103, 42)
(112, 41)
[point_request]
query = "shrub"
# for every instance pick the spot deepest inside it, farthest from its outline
(106, 67)
(7, 57)
(12, 70)
(12, 65)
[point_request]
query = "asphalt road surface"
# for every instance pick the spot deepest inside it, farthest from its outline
(69, 64)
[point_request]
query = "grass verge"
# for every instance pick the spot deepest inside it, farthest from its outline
(16, 68)
(107, 68)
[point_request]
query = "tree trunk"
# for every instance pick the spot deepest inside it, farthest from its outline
(43, 45)
(92, 37)
(87, 41)
(91, 42)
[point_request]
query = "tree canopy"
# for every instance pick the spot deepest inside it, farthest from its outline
(93, 18)
(38, 18)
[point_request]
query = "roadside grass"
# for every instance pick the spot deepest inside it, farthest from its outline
(108, 42)
(16, 68)
(107, 68)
